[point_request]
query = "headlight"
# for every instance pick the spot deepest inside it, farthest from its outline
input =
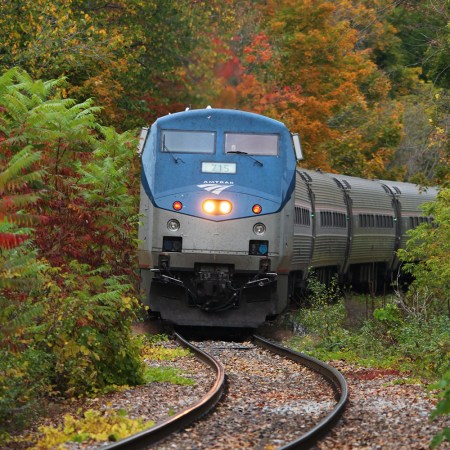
(259, 229)
(225, 207)
(173, 225)
(217, 207)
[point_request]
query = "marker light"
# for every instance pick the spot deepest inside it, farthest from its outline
(217, 207)
(257, 209)
(177, 205)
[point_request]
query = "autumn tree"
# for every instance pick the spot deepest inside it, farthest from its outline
(128, 55)
(302, 65)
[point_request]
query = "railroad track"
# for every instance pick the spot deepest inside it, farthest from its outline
(270, 389)
(147, 438)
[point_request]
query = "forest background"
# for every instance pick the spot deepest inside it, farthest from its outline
(365, 83)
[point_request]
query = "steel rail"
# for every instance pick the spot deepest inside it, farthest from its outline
(333, 376)
(185, 417)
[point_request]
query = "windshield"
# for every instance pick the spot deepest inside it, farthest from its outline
(252, 144)
(188, 141)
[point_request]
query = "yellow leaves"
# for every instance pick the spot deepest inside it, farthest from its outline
(93, 426)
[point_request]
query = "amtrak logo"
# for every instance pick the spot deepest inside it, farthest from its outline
(216, 187)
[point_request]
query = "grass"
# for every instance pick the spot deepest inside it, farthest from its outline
(167, 375)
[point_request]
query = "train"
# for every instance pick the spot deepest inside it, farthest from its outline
(231, 225)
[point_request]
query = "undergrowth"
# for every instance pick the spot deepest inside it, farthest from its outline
(156, 348)
(94, 426)
(389, 337)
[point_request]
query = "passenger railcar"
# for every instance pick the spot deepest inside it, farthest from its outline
(230, 227)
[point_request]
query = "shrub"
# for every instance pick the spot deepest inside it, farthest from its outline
(88, 328)
(325, 315)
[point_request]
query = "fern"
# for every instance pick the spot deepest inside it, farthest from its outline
(11, 180)
(21, 161)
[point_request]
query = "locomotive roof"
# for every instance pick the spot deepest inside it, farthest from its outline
(215, 118)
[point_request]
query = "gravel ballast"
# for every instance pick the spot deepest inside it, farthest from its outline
(384, 411)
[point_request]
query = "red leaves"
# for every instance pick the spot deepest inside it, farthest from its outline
(11, 240)
(259, 51)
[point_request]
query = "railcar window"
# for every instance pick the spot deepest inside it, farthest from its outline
(333, 219)
(252, 144)
(416, 221)
(302, 216)
(188, 141)
(376, 221)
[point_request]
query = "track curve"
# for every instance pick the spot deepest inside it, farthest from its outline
(333, 376)
(183, 418)
(189, 415)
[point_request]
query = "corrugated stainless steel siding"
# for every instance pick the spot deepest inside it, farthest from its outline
(326, 191)
(329, 250)
(367, 194)
(372, 248)
(411, 197)
(301, 191)
(302, 250)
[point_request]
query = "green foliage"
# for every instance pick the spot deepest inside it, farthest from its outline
(128, 56)
(89, 172)
(442, 408)
(411, 343)
(17, 266)
(109, 191)
(155, 339)
(24, 370)
(326, 313)
(94, 426)
(418, 343)
(88, 328)
(25, 376)
(169, 374)
(427, 250)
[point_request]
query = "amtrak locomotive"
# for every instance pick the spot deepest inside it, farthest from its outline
(230, 226)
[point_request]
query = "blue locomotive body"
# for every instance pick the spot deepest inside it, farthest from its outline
(217, 188)
(230, 228)
(194, 155)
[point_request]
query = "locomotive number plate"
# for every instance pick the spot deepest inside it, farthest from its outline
(217, 167)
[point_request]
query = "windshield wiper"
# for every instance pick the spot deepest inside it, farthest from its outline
(166, 149)
(237, 152)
